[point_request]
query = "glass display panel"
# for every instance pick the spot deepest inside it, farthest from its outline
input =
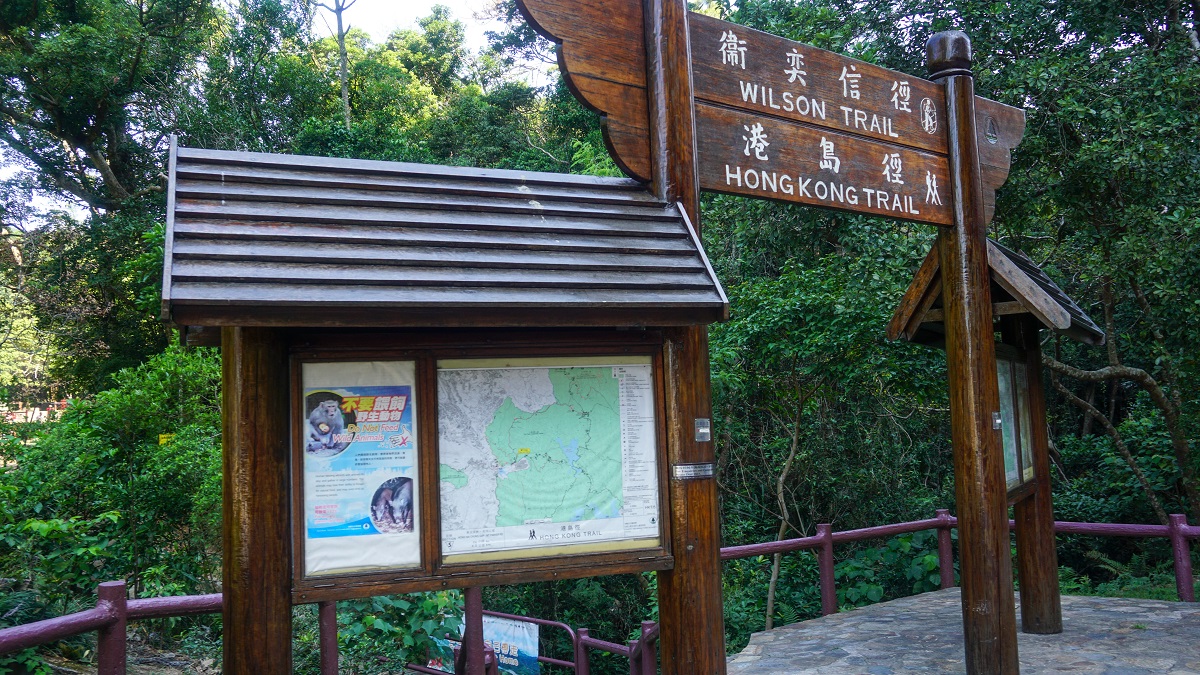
(550, 456)
(361, 488)
(1008, 424)
(1026, 432)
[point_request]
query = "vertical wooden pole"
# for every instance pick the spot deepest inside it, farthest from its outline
(826, 571)
(1183, 558)
(945, 549)
(989, 613)
(471, 654)
(110, 643)
(1037, 556)
(689, 596)
(256, 571)
(328, 636)
(692, 622)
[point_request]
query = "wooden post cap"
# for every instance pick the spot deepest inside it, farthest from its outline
(948, 53)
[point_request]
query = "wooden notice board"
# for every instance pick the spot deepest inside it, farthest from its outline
(433, 466)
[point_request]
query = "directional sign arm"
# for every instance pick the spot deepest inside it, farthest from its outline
(1000, 129)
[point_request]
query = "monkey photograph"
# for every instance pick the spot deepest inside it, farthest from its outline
(392, 506)
(326, 428)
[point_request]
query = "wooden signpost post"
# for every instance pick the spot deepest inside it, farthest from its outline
(691, 100)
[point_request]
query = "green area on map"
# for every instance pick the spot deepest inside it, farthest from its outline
(452, 476)
(561, 463)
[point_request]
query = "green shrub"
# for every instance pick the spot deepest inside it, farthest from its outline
(96, 497)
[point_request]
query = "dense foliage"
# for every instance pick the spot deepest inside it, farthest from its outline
(818, 418)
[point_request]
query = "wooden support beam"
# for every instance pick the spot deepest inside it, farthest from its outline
(689, 596)
(256, 566)
(917, 298)
(998, 309)
(989, 614)
(1037, 556)
(690, 602)
(1020, 286)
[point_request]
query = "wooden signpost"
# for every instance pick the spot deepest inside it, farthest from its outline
(691, 102)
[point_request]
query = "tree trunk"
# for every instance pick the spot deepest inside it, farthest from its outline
(339, 7)
(342, 59)
(783, 510)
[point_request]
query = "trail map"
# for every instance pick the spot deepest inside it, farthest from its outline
(546, 456)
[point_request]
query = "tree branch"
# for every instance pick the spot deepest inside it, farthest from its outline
(1118, 443)
(1179, 441)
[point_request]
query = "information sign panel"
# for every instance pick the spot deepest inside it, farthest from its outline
(361, 487)
(762, 156)
(750, 70)
(544, 457)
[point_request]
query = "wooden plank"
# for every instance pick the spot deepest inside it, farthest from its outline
(817, 87)
(208, 208)
(201, 177)
(599, 314)
(1037, 555)
(201, 336)
(998, 309)
(189, 193)
(932, 295)
(356, 255)
(911, 301)
(256, 567)
(577, 567)
(169, 233)
(306, 273)
(626, 144)
(1025, 291)
(408, 236)
(860, 177)
(439, 225)
(989, 614)
(222, 158)
(404, 298)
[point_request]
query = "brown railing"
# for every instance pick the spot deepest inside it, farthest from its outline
(113, 611)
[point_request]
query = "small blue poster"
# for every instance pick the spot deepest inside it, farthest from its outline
(514, 642)
(360, 466)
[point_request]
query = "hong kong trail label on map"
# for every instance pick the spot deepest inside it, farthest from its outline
(547, 457)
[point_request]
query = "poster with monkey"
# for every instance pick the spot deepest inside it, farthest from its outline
(360, 466)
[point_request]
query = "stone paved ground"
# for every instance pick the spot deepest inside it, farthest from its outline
(923, 634)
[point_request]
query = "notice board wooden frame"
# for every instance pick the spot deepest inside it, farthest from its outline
(426, 348)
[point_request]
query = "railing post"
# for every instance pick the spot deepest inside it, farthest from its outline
(945, 549)
(471, 656)
(635, 664)
(110, 643)
(825, 566)
(649, 665)
(327, 622)
(581, 653)
(1183, 558)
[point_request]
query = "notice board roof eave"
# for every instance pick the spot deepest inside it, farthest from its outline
(1014, 275)
(258, 239)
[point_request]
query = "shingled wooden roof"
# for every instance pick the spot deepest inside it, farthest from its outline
(282, 240)
(1018, 286)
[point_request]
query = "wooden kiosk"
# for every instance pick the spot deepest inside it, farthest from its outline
(340, 284)
(416, 359)
(1024, 300)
